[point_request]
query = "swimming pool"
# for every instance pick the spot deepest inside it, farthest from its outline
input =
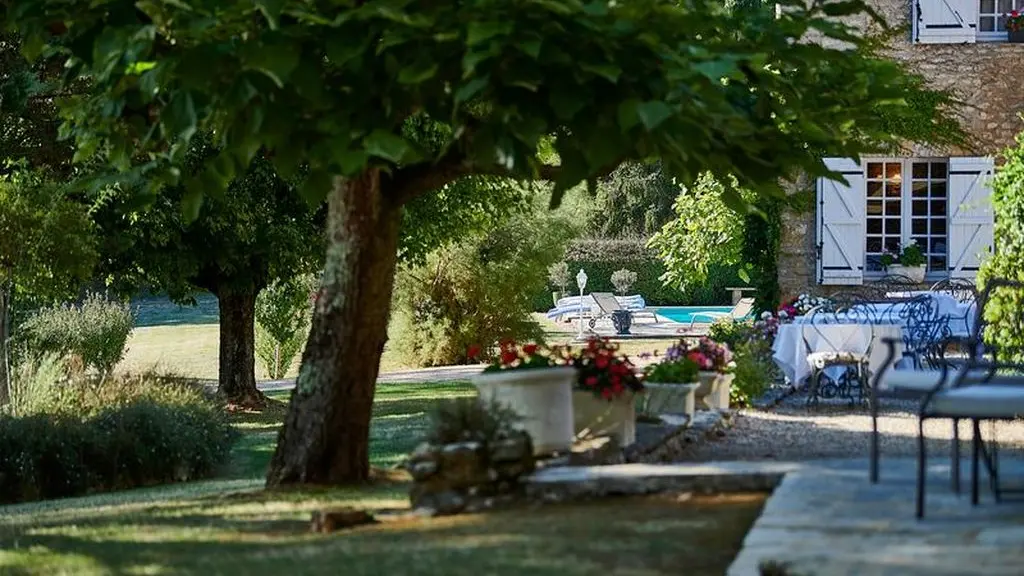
(684, 314)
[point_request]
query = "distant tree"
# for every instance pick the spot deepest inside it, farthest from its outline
(256, 232)
(634, 201)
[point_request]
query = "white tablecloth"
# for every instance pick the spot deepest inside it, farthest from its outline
(790, 350)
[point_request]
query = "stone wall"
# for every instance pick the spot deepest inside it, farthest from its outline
(984, 76)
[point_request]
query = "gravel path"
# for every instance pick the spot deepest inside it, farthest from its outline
(791, 431)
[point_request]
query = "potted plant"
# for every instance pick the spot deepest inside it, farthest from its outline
(909, 263)
(558, 275)
(535, 383)
(714, 363)
(603, 402)
(669, 387)
(1015, 27)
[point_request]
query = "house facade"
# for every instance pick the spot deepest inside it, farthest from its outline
(939, 198)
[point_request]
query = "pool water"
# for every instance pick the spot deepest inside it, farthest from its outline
(684, 314)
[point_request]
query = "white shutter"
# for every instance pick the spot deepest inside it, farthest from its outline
(945, 21)
(841, 224)
(970, 214)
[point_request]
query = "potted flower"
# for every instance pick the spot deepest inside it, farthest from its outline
(1015, 27)
(909, 263)
(669, 387)
(535, 383)
(714, 362)
(603, 402)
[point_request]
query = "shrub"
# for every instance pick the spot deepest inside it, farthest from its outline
(470, 419)
(558, 275)
(283, 315)
(478, 292)
(730, 332)
(95, 332)
(754, 372)
(139, 433)
(623, 280)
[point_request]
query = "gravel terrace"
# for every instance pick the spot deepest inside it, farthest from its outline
(791, 431)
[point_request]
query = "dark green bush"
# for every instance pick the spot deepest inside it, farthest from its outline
(601, 258)
(118, 440)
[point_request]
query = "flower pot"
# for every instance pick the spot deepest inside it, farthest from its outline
(669, 399)
(542, 398)
(622, 320)
(594, 416)
(915, 273)
(1015, 36)
(555, 297)
(713, 391)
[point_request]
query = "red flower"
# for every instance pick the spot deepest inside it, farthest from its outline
(593, 344)
(530, 349)
(591, 381)
(508, 357)
(606, 394)
(601, 362)
(473, 352)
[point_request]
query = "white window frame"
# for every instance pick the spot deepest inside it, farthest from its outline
(997, 35)
(906, 210)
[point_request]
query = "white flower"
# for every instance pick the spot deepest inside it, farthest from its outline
(766, 315)
(783, 314)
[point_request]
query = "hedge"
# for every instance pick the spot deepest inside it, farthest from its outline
(600, 258)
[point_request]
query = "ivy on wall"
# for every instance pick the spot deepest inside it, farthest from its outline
(762, 235)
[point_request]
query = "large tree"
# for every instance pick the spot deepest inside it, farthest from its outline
(331, 85)
(258, 231)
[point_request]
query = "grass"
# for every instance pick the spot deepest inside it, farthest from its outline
(231, 526)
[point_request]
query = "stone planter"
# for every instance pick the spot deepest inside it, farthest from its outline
(622, 320)
(915, 273)
(669, 399)
(541, 397)
(1015, 36)
(599, 417)
(713, 391)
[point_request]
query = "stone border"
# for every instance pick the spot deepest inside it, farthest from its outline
(706, 425)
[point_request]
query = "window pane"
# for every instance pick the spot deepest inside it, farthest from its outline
(918, 226)
(988, 6)
(892, 170)
(920, 207)
(938, 170)
(892, 189)
(874, 170)
(875, 207)
(892, 226)
(938, 189)
(892, 244)
(892, 208)
(1005, 6)
(938, 246)
(874, 226)
(939, 226)
(922, 242)
(874, 189)
(921, 170)
(987, 24)
(937, 263)
(1000, 23)
(938, 207)
(919, 189)
(874, 244)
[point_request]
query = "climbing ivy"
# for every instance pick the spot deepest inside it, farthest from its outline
(762, 235)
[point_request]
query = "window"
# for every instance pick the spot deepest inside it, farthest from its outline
(906, 202)
(992, 19)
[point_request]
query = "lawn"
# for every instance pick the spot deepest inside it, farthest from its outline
(229, 525)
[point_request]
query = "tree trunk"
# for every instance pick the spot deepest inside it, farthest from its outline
(236, 380)
(6, 290)
(325, 439)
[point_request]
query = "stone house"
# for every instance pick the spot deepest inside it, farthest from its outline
(941, 199)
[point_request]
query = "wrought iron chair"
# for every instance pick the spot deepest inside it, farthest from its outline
(963, 290)
(854, 377)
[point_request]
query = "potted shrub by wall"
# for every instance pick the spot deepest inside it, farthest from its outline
(669, 387)
(558, 275)
(714, 362)
(909, 263)
(537, 385)
(604, 402)
(1015, 27)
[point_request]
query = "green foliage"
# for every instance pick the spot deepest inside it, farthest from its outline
(731, 332)
(681, 371)
(96, 331)
(1004, 311)
(38, 385)
(760, 102)
(623, 280)
(704, 233)
(283, 314)
(477, 292)
(634, 201)
(762, 235)
(558, 276)
(912, 255)
(470, 420)
(134, 432)
(754, 372)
